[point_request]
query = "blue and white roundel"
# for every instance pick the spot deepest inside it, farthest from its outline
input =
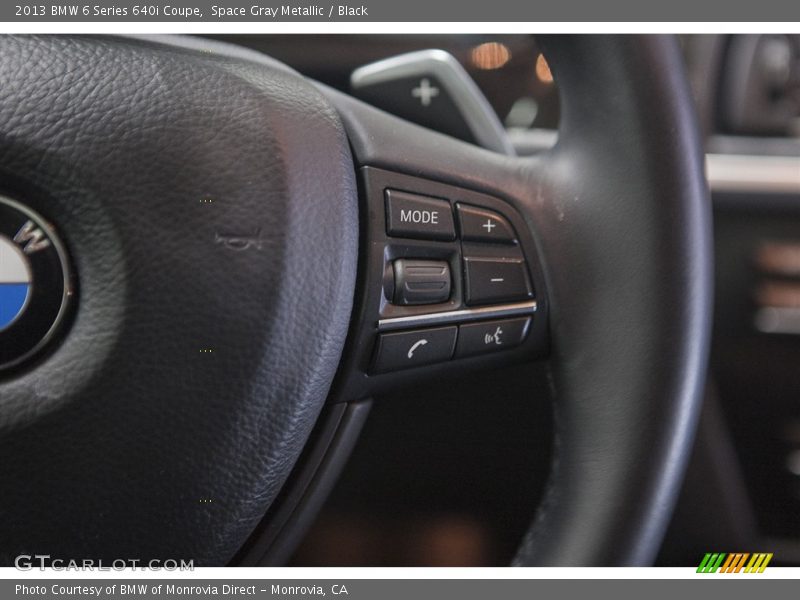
(15, 282)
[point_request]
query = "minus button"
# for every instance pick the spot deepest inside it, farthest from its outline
(491, 280)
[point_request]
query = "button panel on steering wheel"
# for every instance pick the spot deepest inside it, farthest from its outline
(451, 280)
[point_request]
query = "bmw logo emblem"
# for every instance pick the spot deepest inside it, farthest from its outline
(35, 286)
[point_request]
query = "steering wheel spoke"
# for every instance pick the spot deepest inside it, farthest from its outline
(450, 281)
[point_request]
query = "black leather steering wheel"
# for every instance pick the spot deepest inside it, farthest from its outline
(209, 201)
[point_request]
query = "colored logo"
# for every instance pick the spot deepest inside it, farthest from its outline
(15, 282)
(35, 287)
(737, 562)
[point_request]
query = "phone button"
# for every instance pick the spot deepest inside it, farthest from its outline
(414, 348)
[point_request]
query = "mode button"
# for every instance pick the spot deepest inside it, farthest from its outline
(414, 216)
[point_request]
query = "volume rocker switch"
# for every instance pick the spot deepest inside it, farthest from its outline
(421, 281)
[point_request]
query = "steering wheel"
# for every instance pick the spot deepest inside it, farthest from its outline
(229, 273)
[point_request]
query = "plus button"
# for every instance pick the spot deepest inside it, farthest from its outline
(425, 92)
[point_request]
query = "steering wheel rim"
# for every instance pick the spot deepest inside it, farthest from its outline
(627, 368)
(634, 374)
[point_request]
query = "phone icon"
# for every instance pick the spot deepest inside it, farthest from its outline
(415, 346)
